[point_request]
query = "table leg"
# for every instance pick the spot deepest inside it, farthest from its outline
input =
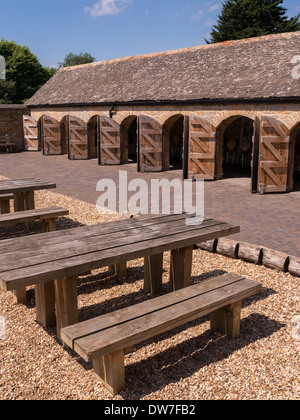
(66, 302)
(119, 270)
(153, 271)
(181, 268)
(45, 304)
(19, 202)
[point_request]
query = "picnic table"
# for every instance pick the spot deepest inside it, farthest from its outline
(52, 261)
(23, 191)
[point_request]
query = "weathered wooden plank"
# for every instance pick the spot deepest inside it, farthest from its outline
(31, 215)
(82, 263)
(88, 245)
(133, 332)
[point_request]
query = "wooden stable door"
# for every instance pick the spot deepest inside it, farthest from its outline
(109, 142)
(274, 156)
(201, 153)
(150, 138)
(51, 136)
(78, 139)
(31, 134)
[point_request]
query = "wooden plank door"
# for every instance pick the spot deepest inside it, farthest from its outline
(151, 146)
(274, 152)
(51, 136)
(78, 138)
(202, 149)
(110, 142)
(31, 134)
(255, 156)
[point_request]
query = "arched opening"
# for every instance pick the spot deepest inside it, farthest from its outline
(93, 137)
(64, 135)
(173, 142)
(129, 140)
(235, 146)
(295, 160)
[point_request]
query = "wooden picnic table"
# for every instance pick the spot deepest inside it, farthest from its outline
(52, 261)
(23, 190)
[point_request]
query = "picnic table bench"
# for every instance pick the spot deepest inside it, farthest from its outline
(104, 340)
(23, 191)
(52, 261)
(7, 144)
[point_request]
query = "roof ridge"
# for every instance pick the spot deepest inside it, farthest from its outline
(188, 49)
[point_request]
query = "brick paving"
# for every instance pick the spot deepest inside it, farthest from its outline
(270, 220)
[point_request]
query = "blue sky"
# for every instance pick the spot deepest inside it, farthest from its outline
(109, 28)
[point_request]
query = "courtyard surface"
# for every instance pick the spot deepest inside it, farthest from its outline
(271, 220)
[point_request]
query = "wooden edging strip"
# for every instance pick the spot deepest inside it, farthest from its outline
(255, 254)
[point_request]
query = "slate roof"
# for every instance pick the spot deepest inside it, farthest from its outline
(253, 68)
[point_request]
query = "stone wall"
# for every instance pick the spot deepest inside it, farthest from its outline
(11, 124)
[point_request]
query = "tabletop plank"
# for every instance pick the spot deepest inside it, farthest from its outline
(70, 266)
(87, 245)
(24, 185)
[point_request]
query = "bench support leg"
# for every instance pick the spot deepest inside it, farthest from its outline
(19, 296)
(19, 202)
(5, 206)
(181, 268)
(228, 319)
(153, 272)
(119, 270)
(110, 370)
(66, 302)
(45, 304)
(49, 225)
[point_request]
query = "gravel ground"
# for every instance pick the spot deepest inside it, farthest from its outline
(188, 363)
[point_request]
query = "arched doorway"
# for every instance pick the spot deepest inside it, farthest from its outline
(173, 142)
(93, 131)
(235, 146)
(129, 140)
(295, 159)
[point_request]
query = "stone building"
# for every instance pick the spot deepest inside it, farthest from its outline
(11, 125)
(229, 109)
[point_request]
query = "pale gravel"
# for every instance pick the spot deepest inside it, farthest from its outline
(189, 363)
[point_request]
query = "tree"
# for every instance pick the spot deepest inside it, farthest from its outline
(77, 59)
(24, 74)
(241, 19)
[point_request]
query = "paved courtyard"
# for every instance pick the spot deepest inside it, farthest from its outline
(270, 220)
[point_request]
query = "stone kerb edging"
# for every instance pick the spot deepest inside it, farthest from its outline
(254, 254)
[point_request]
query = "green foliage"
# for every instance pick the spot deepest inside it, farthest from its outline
(24, 74)
(241, 19)
(77, 59)
(7, 91)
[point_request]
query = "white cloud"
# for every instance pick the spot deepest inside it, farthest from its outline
(107, 7)
(214, 7)
(198, 15)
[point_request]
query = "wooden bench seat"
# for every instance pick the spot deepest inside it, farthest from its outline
(5, 203)
(104, 340)
(47, 216)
